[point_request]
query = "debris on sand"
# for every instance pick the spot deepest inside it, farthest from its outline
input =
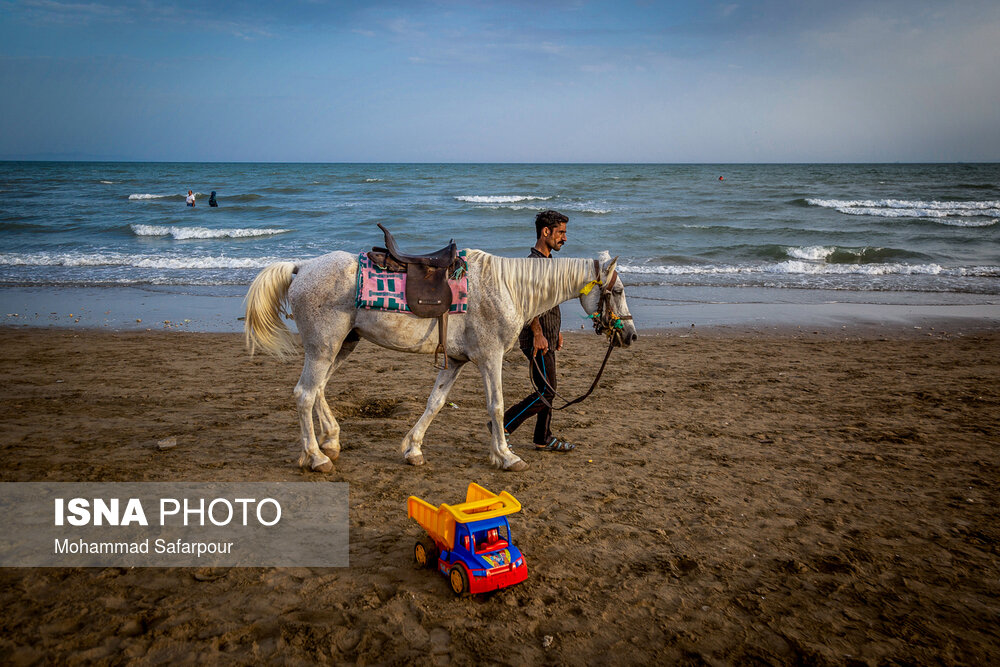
(167, 443)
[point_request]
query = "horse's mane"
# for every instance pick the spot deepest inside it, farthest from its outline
(531, 282)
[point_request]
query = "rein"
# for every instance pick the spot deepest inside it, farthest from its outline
(606, 322)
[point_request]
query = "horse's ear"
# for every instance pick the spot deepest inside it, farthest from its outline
(610, 266)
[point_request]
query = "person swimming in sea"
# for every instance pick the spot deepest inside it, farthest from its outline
(190, 198)
(211, 200)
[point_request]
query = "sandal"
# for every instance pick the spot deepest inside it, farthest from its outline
(556, 445)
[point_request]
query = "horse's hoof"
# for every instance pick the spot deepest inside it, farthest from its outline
(517, 466)
(417, 460)
(324, 467)
(333, 454)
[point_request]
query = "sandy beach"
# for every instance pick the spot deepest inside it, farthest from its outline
(737, 497)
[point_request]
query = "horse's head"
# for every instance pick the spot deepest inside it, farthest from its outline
(606, 304)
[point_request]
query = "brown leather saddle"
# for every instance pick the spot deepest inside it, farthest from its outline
(428, 294)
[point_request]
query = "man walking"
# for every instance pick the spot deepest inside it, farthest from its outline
(539, 340)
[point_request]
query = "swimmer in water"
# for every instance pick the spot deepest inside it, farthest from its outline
(190, 198)
(211, 200)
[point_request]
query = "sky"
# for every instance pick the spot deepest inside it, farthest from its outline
(519, 81)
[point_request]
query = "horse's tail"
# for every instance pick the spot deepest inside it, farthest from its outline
(266, 302)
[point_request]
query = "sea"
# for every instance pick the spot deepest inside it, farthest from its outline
(914, 233)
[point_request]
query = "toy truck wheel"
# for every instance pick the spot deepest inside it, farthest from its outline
(425, 553)
(459, 580)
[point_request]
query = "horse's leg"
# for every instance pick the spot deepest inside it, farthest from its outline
(310, 386)
(415, 438)
(329, 429)
(500, 455)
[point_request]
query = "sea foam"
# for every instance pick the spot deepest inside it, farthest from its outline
(202, 232)
(149, 196)
(519, 207)
(499, 199)
(801, 267)
(941, 211)
(139, 261)
(513, 204)
(815, 252)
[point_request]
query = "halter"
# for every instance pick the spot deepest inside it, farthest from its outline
(605, 320)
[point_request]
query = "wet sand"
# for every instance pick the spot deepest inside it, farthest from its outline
(737, 496)
(220, 308)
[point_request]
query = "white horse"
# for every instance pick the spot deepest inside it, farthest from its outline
(504, 294)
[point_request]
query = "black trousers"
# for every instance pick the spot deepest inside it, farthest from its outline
(533, 405)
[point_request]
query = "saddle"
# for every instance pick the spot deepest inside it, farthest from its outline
(428, 294)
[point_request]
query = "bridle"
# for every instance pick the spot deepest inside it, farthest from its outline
(605, 322)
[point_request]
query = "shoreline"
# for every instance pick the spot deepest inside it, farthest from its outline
(219, 309)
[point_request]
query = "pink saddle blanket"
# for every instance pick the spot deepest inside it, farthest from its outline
(379, 289)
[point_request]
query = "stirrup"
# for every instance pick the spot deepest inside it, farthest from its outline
(442, 341)
(440, 350)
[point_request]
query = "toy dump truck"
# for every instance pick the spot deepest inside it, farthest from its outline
(470, 543)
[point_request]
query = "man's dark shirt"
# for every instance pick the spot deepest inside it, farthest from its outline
(550, 320)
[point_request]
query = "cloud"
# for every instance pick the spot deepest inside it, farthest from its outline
(725, 11)
(43, 12)
(548, 47)
(404, 27)
(48, 11)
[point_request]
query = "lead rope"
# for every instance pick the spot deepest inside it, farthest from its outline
(541, 397)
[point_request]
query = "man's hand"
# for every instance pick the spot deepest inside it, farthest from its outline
(540, 344)
(559, 345)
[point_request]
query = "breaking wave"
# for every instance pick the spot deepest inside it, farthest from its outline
(501, 199)
(138, 261)
(242, 198)
(802, 267)
(136, 197)
(957, 213)
(181, 233)
(577, 209)
(842, 255)
(517, 203)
